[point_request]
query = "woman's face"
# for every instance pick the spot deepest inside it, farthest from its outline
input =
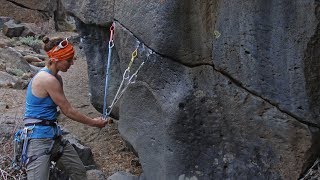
(64, 65)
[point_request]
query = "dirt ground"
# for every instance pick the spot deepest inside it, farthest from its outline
(110, 153)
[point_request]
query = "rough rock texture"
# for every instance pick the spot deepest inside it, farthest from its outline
(262, 46)
(84, 152)
(91, 11)
(95, 44)
(95, 175)
(311, 68)
(123, 176)
(49, 13)
(11, 29)
(13, 59)
(3, 19)
(48, 5)
(181, 30)
(21, 13)
(228, 88)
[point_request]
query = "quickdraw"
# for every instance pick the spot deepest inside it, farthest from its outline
(111, 44)
(127, 79)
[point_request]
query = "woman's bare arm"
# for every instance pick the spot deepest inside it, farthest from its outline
(55, 91)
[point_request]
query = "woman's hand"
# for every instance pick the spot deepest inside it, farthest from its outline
(99, 122)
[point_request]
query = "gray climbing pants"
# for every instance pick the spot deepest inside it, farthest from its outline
(68, 162)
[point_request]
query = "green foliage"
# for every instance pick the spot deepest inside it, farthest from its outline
(30, 41)
(34, 42)
(15, 71)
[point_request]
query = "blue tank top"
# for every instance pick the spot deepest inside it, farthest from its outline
(42, 109)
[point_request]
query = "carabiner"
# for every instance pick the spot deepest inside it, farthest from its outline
(133, 56)
(111, 44)
(111, 32)
(126, 74)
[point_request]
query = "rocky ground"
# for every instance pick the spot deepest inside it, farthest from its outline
(109, 150)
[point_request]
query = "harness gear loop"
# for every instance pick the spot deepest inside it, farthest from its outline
(111, 44)
(24, 156)
(21, 142)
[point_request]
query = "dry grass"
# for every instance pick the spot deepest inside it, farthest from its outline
(9, 122)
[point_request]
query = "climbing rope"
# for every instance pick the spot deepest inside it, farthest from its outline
(111, 44)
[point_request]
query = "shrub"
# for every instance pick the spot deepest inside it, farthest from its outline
(31, 41)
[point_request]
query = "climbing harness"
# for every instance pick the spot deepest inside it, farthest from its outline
(17, 150)
(21, 140)
(111, 44)
(20, 145)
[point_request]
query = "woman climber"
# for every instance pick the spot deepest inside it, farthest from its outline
(44, 94)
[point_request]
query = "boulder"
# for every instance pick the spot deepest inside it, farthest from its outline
(177, 117)
(28, 32)
(11, 29)
(7, 80)
(32, 54)
(228, 89)
(199, 112)
(3, 106)
(14, 60)
(84, 152)
(10, 81)
(263, 47)
(31, 58)
(3, 19)
(180, 29)
(50, 5)
(2, 66)
(95, 175)
(39, 64)
(94, 41)
(123, 176)
(90, 11)
(23, 14)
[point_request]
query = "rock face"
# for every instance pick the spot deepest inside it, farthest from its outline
(12, 29)
(20, 12)
(49, 14)
(228, 89)
(37, 5)
(3, 19)
(91, 11)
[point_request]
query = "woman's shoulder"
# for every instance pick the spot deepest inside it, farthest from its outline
(44, 77)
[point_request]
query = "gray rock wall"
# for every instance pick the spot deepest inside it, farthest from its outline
(228, 89)
(262, 46)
